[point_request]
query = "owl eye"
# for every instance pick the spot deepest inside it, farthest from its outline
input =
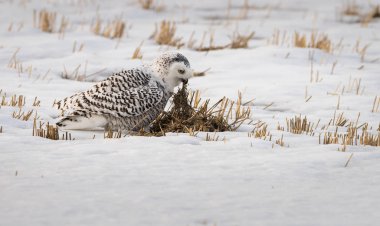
(181, 71)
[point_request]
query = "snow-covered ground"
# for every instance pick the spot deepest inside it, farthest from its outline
(181, 179)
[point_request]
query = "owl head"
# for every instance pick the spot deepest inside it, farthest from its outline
(173, 68)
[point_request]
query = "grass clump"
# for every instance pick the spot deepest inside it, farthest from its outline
(187, 114)
(351, 9)
(165, 35)
(137, 53)
(15, 101)
(46, 22)
(356, 13)
(112, 30)
(318, 41)
(146, 4)
(49, 131)
(110, 134)
(239, 41)
(371, 15)
(299, 125)
(21, 115)
(352, 136)
(152, 5)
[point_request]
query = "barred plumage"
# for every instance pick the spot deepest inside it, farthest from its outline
(127, 100)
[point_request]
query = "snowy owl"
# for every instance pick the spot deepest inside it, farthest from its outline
(127, 100)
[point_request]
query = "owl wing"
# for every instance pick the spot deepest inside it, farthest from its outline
(122, 95)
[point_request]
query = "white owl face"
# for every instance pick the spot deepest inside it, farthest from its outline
(173, 68)
(179, 72)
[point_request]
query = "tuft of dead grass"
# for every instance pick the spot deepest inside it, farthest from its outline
(213, 137)
(299, 125)
(146, 4)
(74, 75)
(15, 63)
(79, 73)
(112, 30)
(356, 14)
(152, 5)
(188, 114)
(45, 130)
(318, 41)
(137, 53)
(36, 102)
(352, 136)
(165, 34)
(110, 134)
(46, 22)
(15, 101)
(280, 141)
(260, 131)
(376, 104)
(21, 115)
(350, 8)
(371, 15)
(239, 41)
(201, 73)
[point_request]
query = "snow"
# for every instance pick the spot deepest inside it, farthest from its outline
(181, 179)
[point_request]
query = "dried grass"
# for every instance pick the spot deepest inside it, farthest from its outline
(188, 114)
(76, 74)
(318, 41)
(21, 115)
(280, 141)
(137, 53)
(46, 22)
(299, 125)
(376, 104)
(16, 64)
(277, 39)
(300, 40)
(146, 4)
(354, 86)
(350, 8)
(260, 131)
(213, 137)
(48, 131)
(15, 101)
(353, 10)
(352, 136)
(239, 41)
(36, 102)
(371, 15)
(79, 49)
(112, 30)
(110, 134)
(165, 34)
(362, 51)
(339, 120)
(201, 73)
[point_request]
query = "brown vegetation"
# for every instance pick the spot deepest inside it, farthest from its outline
(188, 115)
(113, 29)
(165, 34)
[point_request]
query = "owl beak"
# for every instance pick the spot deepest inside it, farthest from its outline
(185, 81)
